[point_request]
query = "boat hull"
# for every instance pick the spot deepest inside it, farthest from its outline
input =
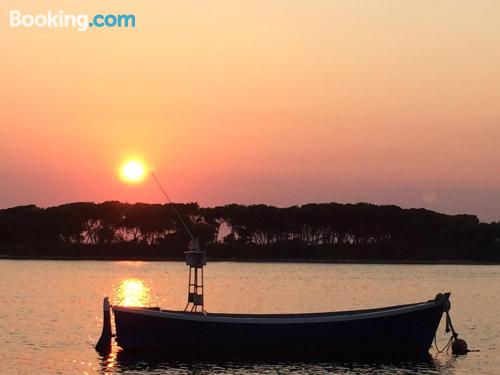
(393, 330)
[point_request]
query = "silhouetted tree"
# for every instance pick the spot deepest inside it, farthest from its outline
(315, 231)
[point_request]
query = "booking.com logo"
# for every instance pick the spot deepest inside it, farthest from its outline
(81, 22)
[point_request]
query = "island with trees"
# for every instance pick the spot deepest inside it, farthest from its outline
(326, 232)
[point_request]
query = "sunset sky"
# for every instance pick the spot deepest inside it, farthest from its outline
(276, 102)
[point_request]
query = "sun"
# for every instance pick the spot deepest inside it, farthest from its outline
(133, 171)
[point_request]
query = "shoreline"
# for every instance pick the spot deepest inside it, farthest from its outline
(236, 260)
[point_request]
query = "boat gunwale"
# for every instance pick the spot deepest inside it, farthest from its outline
(322, 317)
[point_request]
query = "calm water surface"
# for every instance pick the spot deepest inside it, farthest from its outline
(50, 311)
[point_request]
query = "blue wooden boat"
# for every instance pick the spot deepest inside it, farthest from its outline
(394, 330)
(403, 329)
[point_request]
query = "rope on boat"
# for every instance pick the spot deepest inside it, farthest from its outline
(444, 301)
(458, 346)
(446, 347)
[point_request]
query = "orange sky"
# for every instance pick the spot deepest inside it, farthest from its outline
(278, 102)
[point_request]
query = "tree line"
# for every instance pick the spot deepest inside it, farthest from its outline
(318, 232)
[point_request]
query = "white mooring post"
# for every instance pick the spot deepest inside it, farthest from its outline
(195, 259)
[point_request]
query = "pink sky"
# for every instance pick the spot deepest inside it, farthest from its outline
(278, 102)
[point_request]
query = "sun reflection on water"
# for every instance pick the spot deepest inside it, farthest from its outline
(132, 292)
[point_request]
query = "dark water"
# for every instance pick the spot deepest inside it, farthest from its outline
(50, 311)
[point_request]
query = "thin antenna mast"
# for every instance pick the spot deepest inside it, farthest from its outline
(172, 205)
(195, 259)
